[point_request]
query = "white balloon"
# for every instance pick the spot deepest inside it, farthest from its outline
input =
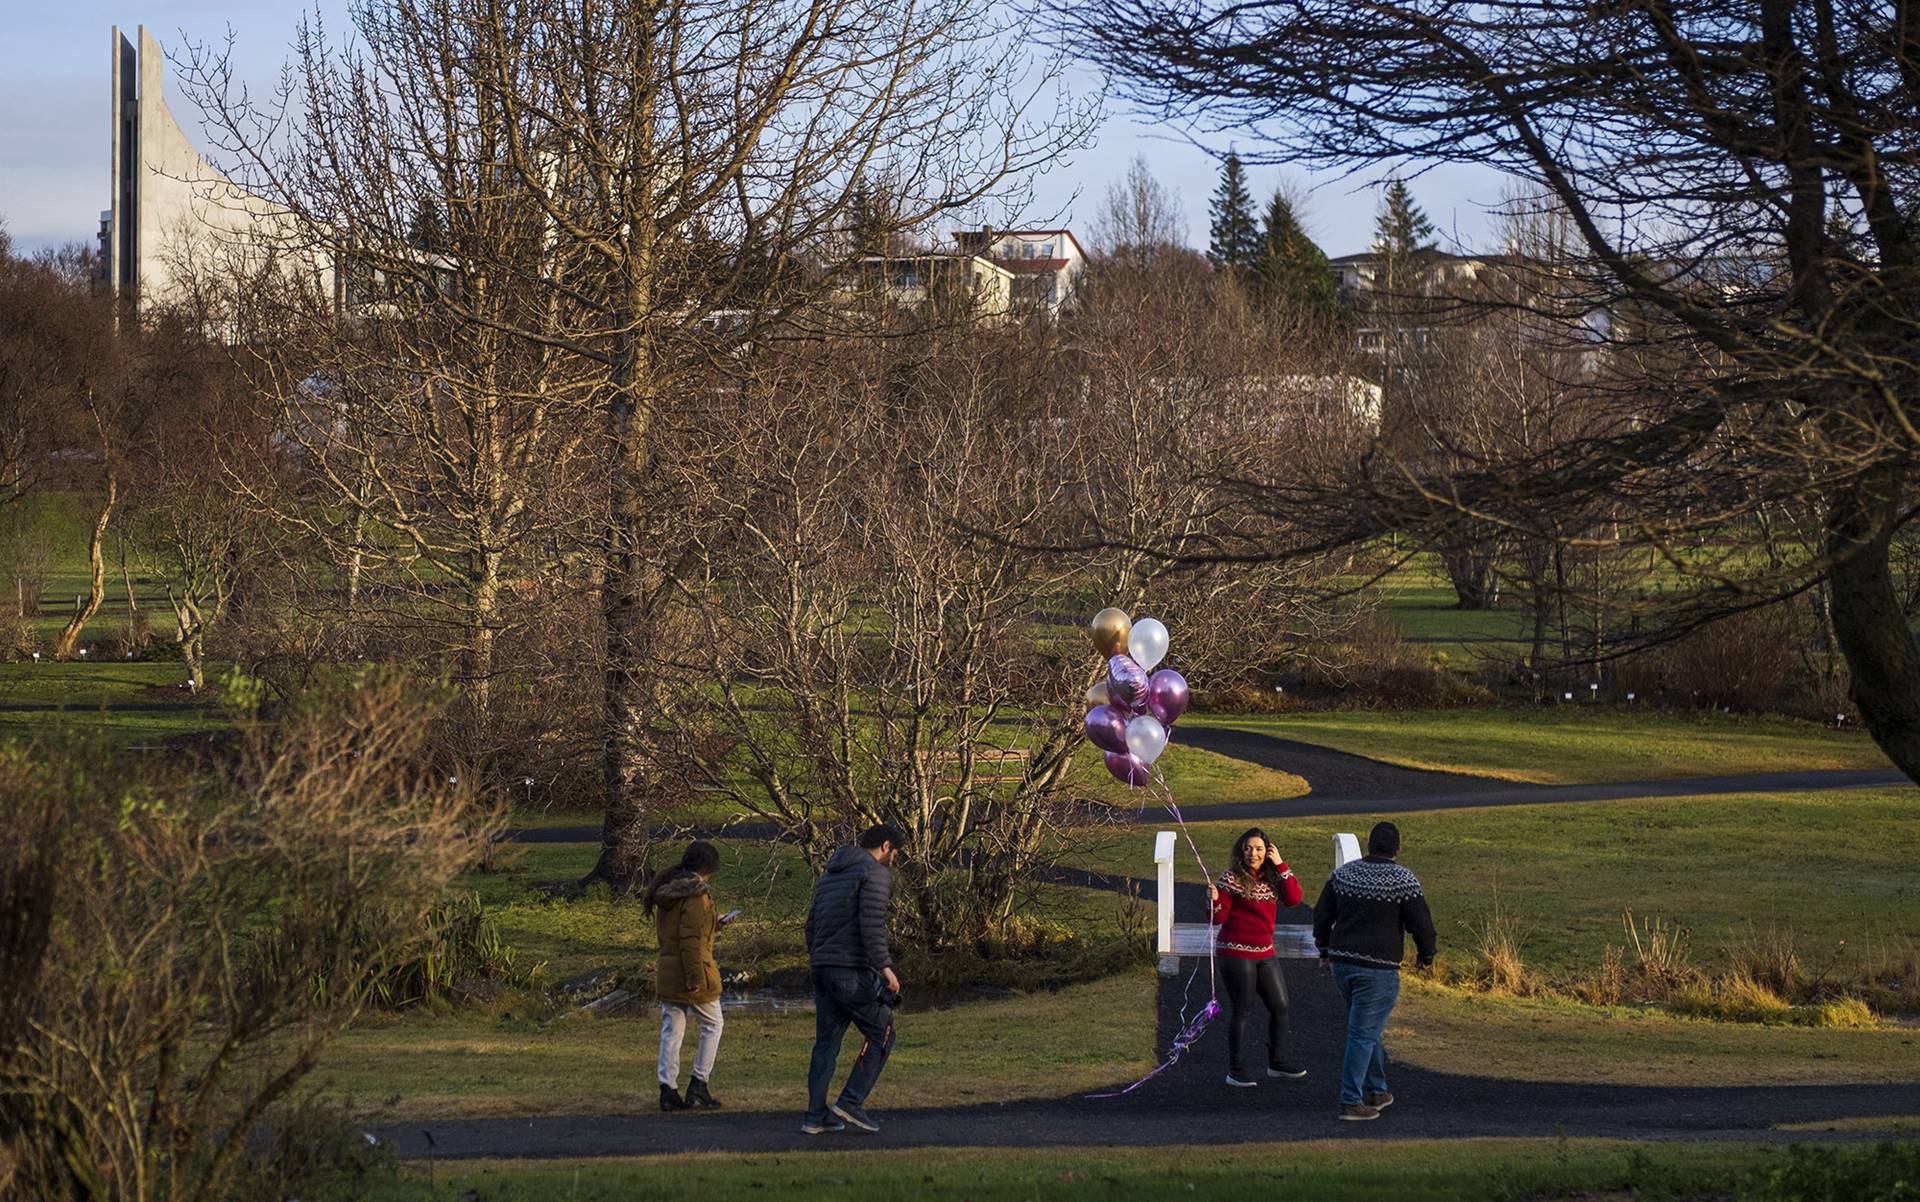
(1148, 643)
(1146, 738)
(1098, 695)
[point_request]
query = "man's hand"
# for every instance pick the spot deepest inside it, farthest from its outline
(1326, 965)
(893, 982)
(1425, 967)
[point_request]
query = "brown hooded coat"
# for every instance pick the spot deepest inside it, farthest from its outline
(685, 923)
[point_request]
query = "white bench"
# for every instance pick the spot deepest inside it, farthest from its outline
(1177, 939)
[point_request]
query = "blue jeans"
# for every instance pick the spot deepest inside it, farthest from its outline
(844, 997)
(1370, 994)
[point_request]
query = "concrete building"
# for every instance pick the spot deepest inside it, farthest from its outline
(1045, 264)
(170, 206)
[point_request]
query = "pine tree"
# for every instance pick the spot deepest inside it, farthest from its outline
(1292, 271)
(1236, 235)
(428, 232)
(1401, 232)
(1402, 227)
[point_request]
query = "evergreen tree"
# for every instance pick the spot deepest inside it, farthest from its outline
(1292, 271)
(1402, 226)
(428, 232)
(1236, 234)
(1401, 232)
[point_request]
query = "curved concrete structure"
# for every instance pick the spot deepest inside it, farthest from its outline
(171, 207)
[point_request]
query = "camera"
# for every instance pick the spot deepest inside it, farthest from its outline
(890, 998)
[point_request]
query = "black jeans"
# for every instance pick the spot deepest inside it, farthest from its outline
(1245, 978)
(844, 997)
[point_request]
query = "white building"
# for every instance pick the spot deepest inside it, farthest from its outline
(1045, 264)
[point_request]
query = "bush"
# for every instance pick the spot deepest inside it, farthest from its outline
(324, 829)
(1889, 1172)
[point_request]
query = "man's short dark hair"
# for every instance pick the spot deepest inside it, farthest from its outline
(886, 832)
(1384, 840)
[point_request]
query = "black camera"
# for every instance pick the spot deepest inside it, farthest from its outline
(890, 998)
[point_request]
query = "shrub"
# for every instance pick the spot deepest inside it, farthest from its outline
(325, 829)
(1889, 1172)
(17, 639)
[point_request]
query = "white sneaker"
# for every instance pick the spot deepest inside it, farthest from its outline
(1237, 1083)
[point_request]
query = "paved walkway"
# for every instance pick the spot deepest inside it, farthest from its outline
(1192, 1105)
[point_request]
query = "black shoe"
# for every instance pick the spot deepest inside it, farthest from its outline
(670, 1098)
(854, 1116)
(1273, 1070)
(697, 1095)
(821, 1126)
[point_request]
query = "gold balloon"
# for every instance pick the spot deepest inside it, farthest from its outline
(1109, 630)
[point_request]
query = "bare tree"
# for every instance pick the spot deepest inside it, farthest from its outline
(1139, 218)
(1741, 179)
(671, 164)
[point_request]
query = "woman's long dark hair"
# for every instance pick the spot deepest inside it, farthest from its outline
(1266, 872)
(700, 857)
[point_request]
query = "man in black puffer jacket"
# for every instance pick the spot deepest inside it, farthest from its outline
(853, 978)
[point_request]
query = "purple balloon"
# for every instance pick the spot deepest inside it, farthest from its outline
(1167, 696)
(1107, 727)
(1128, 769)
(1126, 684)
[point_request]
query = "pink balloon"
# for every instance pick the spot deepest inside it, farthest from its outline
(1126, 684)
(1167, 696)
(1107, 728)
(1128, 769)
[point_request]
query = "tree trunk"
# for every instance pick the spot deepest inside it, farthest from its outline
(1872, 629)
(63, 646)
(624, 834)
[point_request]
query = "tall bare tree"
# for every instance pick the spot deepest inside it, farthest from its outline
(672, 163)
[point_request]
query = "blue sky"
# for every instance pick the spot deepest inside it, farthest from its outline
(54, 130)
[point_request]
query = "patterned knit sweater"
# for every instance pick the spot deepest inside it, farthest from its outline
(1364, 911)
(1245, 912)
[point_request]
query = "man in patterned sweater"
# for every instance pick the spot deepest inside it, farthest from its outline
(1359, 924)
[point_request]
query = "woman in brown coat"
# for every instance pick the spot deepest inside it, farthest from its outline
(687, 978)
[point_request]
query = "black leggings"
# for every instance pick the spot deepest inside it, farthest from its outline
(1244, 978)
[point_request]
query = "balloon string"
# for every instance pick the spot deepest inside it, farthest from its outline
(1190, 1032)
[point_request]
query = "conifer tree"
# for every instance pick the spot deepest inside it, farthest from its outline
(1235, 239)
(1291, 271)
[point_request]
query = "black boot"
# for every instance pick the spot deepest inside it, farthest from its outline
(697, 1095)
(670, 1098)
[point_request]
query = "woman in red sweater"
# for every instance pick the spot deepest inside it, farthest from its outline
(1245, 905)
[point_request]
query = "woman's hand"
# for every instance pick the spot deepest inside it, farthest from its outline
(1213, 894)
(1273, 857)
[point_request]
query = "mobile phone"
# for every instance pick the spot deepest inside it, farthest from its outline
(729, 916)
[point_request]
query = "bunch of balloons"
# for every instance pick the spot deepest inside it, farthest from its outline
(1133, 711)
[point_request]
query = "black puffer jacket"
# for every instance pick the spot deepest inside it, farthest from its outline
(847, 927)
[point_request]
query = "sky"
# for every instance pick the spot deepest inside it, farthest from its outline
(55, 149)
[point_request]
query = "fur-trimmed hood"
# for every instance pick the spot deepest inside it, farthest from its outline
(680, 883)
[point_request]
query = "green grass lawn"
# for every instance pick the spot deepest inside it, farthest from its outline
(1573, 744)
(1831, 866)
(505, 1062)
(116, 699)
(1364, 1170)
(1548, 1039)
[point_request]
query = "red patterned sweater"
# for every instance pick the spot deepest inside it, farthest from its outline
(1246, 910)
